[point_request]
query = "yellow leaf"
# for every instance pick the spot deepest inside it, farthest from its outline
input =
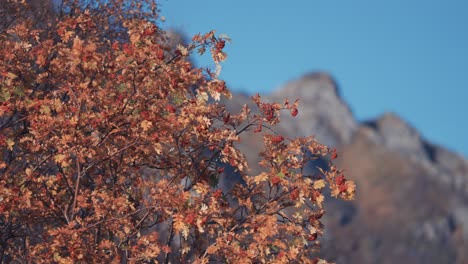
(211, 249)
(180, 227)
(68, 34)
(146, 125)
(10, 144)
(45, 110)
(320, 200)
(183, 50)
(216, 95)
(77, 46)
(11, 75)
(319, 184)
(61, 159)
(335, 192)
(202, 97)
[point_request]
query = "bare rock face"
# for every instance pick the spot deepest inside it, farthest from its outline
(397, 135)
(442, 165)
(403, 214)
(412, 195)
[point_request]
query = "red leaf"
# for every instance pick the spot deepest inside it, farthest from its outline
(190, 219)
(218, 193)
(166, 249)
(334, 155)
(258, 129)
(340, 180)
(160, 54)
(115, 45)
(312, 237)
(220, 45)
(171, 108)
(315, 216)
(226, 150)
(294, 194)
(149, 31)
(145, 115)
(196, 38)
(275, 180)
(277, 139)
(174, 82)
(226, 118)
(343, 188)
(221, 87)
(315, 194)
(127, 49)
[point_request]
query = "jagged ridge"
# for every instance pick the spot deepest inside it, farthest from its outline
(412, 199)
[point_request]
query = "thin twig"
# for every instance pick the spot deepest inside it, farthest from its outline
(77, 184)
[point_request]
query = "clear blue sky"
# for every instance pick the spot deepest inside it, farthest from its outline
(404, 56)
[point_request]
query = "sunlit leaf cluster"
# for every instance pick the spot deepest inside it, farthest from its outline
(112, 145)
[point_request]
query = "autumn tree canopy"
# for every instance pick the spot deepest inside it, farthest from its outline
(112, 144)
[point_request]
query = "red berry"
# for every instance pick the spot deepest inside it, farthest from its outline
(294, 111)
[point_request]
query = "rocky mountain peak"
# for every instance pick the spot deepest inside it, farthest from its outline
(397, 134)
(323, 113)
(311, 85)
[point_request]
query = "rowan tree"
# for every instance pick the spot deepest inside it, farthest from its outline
(112, 144)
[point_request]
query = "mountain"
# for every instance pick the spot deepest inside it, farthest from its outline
(412, 197)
